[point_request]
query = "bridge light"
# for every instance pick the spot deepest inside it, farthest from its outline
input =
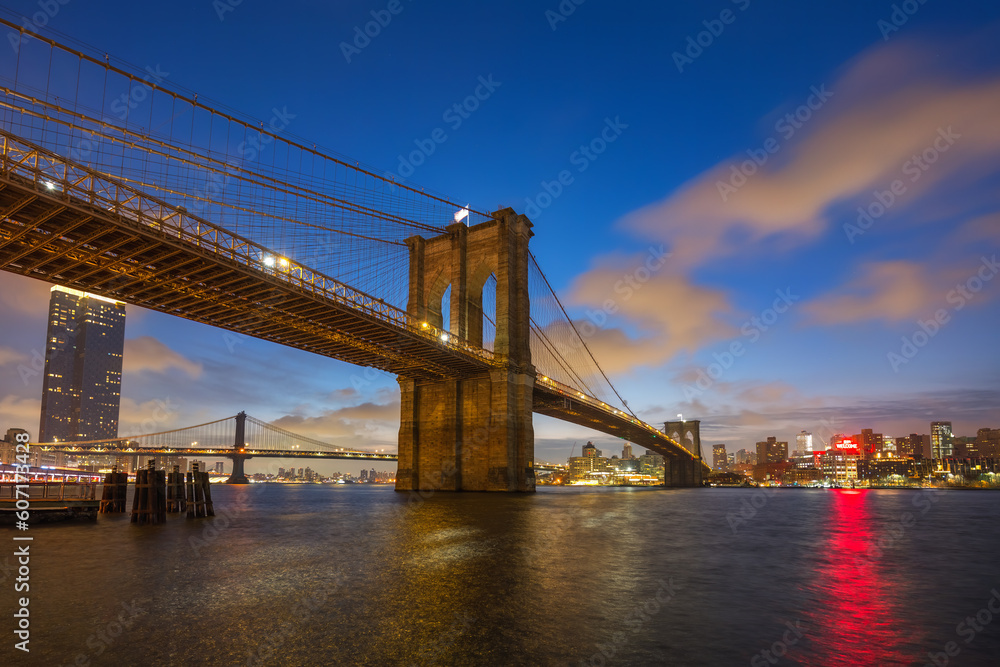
(50, 185)
(268, 260)
(444, 337)
(283, 262)
(424, 325)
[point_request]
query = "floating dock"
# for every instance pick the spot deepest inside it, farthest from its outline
(49, 501)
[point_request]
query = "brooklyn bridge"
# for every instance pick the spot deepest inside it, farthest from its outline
(117, 184)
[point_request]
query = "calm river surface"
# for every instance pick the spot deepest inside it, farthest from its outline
(361, 575)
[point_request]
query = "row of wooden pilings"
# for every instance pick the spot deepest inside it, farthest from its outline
(158, 493)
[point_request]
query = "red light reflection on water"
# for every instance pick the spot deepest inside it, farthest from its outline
(854, 621)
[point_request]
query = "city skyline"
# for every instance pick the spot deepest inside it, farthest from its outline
(763, 318)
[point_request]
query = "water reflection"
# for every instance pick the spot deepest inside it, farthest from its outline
(854, 621)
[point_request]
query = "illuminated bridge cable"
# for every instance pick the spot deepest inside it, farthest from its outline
(559, 359)
(230, 117)
(585, 346)
(144, 435)
(285, 186)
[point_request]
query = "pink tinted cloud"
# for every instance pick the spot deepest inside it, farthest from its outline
(668, 315)
(888, 291)
(865, 136)
(149, 354)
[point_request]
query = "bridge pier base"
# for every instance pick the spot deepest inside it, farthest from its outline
(678, 472)
(238, 475)
(472, 434)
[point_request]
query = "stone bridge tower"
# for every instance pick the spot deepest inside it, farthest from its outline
(472, 433)
(684, 471)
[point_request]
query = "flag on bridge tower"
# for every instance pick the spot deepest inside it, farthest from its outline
(462, 214)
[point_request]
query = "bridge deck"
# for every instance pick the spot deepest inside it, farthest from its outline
(86, 232)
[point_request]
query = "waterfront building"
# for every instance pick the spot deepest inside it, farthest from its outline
(840, 465)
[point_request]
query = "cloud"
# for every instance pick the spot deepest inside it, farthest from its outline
(668, 313)
(880, 116)
(363, 425)
(888, 291)
(24, 296)
(148, 354)
(153, 416)
(894, 291)
(9, 356)
(346, 393)
(18, 412)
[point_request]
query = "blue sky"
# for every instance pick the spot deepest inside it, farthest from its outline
(878, 96)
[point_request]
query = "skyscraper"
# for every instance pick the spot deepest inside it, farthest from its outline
(941, 440)
(81, 390)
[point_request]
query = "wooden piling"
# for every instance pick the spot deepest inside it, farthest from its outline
(139, 498)
(161, 497)
(209, 508)
(189, 490)
(175, 491)
(121, 492)
(114, 492)
(149, 505)
(199, 494)
(150, 493)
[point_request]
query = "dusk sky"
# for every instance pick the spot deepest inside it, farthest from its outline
(824, 177)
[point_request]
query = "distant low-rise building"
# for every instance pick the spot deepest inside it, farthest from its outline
(590, 466)
(772, 451)
(987, 443)
(720, 460)
(651, 463)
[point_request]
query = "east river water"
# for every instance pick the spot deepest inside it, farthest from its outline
(361, 575)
